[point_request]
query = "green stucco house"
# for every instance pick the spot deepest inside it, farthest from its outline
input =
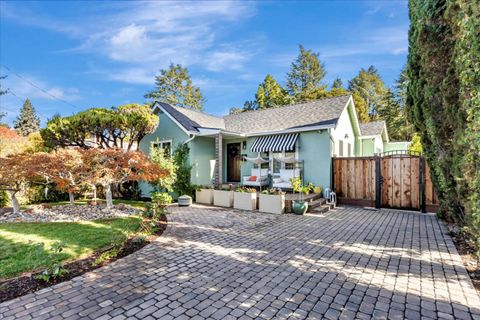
(375, 139)
(298, 139)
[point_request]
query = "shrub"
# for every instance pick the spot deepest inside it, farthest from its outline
(3, 199)
(54, 269)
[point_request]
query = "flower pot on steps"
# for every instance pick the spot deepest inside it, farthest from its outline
(299, 206)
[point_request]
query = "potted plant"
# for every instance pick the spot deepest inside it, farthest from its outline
(245, 198)
(204, 194)
(300, 206)
(223, 197)
(272, 201)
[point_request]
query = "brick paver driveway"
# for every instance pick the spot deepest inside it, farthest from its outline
(221, 264)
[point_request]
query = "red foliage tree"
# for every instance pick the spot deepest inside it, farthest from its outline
(115, 166)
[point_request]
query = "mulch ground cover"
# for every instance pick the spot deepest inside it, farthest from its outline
(467, 253)
(27, 283)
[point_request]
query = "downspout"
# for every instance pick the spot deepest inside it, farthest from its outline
(192, 136)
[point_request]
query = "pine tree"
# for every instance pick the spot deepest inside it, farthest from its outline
(368, 85)
(270, 94)
(27, 121)
(174, 86)
(306, 74)
(337, 84)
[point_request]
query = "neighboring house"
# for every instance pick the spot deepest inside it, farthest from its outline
(312, 132)
(374, 139)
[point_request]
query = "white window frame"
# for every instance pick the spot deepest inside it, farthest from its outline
(282, 165)
(160, 143)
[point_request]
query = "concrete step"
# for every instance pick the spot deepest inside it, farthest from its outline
(323, 208)
(316, 203)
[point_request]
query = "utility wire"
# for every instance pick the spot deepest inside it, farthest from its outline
(38, 87)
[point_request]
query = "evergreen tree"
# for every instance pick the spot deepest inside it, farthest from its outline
(306, 74)
(337, 84)
(393, 112)
(443, 102)
(270, 94)
(370, 87)
(174, 86)
(27, 121)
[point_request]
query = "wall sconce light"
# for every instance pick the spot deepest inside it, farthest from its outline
(244, 145)
(346, 136)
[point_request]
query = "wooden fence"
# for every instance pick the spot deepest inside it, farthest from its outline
(393, 181)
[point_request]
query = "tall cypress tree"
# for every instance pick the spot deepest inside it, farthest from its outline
(443, 99)
(27, 121)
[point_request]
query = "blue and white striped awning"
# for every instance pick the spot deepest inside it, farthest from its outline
(275, 143)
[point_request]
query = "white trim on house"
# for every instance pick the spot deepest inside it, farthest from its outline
(172, 118)
(160, 143)
(302, 129)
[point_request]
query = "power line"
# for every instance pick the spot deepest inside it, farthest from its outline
(38, 87)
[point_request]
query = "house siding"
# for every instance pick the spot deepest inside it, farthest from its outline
(314, 150)
(202, 160)
(166, 130)
(392, 146)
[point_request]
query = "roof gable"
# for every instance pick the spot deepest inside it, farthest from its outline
(191, 120)
(374, 128)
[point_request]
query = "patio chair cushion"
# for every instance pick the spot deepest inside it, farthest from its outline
(252, 178)
(287, 174)
(277, 180)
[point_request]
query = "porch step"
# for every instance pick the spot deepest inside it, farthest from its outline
(323, 208)
(312, 205)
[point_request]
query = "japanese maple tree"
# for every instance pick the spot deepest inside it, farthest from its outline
(115, 166)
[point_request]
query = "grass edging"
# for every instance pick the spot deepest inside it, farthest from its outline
(22, 285)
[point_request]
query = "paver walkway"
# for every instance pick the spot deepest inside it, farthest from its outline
(223, 264)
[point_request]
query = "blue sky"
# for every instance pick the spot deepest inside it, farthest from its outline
(103, 54)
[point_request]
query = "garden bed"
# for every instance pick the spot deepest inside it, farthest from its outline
(467, 253)
(66, 212)
(28, 282)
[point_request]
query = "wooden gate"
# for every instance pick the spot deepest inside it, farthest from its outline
(401, 182)
(393, 180)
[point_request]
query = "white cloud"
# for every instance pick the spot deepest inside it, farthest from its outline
(226, 60)
(145, 36)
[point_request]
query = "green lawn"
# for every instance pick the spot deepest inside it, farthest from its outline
(25, 247)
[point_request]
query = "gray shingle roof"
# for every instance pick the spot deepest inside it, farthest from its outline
(191, 120)
(319, 112)
(314, 113)
(372, 128)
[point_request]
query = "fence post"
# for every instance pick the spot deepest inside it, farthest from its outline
(422, 184)
(378, 182)
(332, 179)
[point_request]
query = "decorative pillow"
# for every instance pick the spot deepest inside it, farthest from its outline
(246, 178)
(277, 180)
(252, 178)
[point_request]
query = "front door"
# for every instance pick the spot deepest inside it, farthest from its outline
(234, 160)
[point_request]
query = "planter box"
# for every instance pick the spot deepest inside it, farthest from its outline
(245, 200)
(271, 203)
(223, 198)
(204, 196)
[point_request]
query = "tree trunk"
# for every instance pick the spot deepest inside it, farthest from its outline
(16, 206)
(94, 194)
(108, 195)
(71, 198)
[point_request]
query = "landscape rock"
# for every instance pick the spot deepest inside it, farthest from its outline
(47, 213)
